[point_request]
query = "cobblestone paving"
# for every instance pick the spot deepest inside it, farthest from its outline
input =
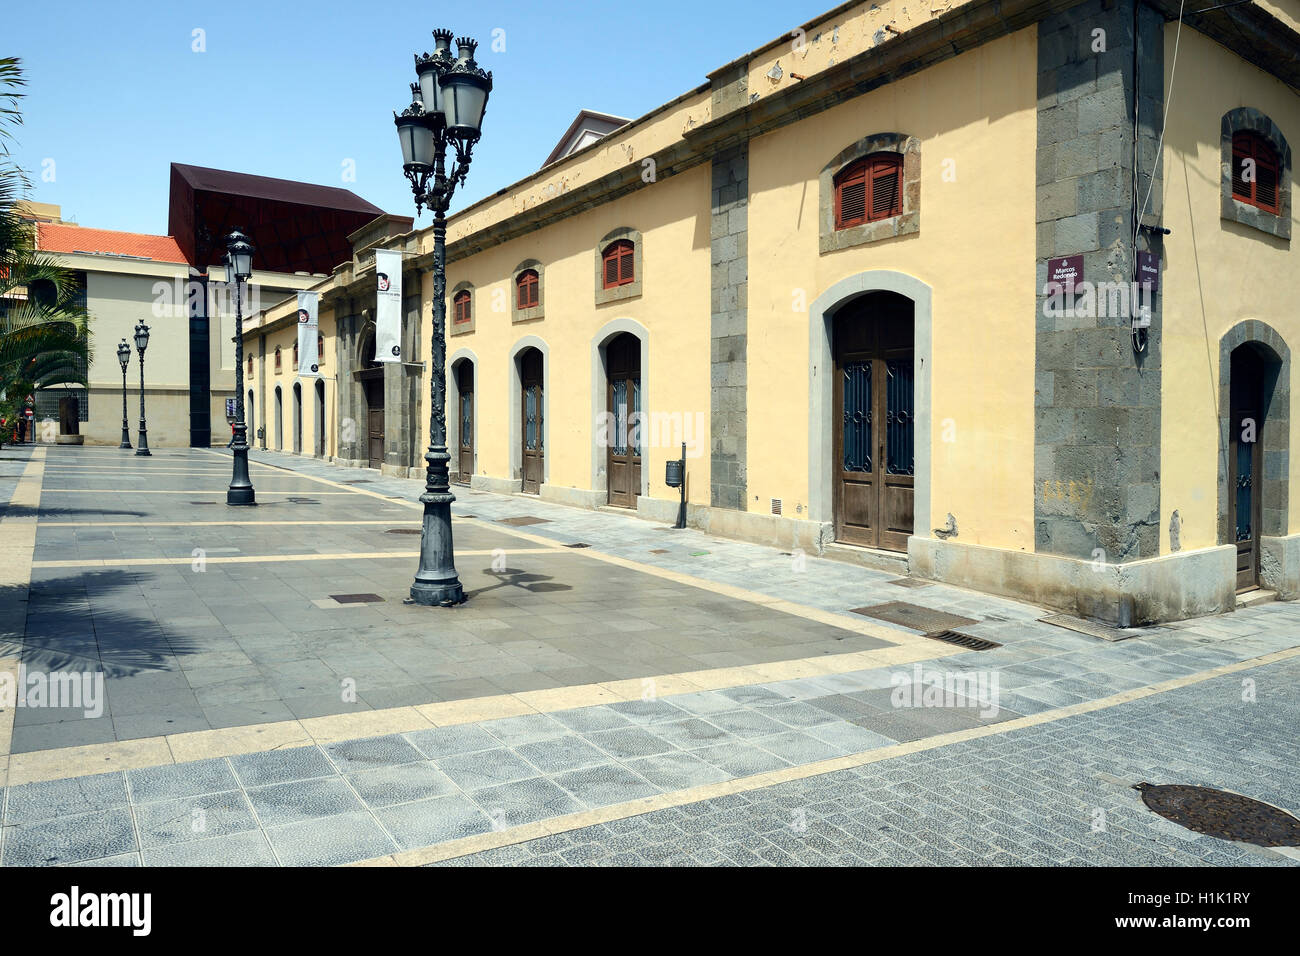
(1030, 795)
(1058, 793)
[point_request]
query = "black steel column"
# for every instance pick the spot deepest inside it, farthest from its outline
(436, 583)
(240, 491)
(126, 428)
(143, 444)
(200, 363)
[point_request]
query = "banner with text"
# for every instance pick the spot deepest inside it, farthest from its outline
(388, 310)
(308, 335)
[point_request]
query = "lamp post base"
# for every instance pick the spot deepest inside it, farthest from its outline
(126, 438)
(240, 491)
(436, 583)
(143, 448)
(440, 595)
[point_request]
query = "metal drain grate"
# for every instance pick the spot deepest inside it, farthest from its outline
(1218, 813)
(359, 481)
(522, 520)
(203, 502)
(404, 531)
(910, 583)
(357, 598)
(304, 501)
(964, 640)
(578, 544)
(658, 550)
(1091, 628)
(924, 619)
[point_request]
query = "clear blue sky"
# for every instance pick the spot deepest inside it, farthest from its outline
(115, 92)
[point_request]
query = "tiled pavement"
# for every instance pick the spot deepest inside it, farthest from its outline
(1058, 793)
(356, 799)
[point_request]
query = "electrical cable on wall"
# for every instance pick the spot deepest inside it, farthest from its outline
(1139, 335)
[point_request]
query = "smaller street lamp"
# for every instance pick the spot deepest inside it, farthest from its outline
(239, 266)
(124, 357)
(142, 343)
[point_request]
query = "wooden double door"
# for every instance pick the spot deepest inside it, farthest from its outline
(373, 384)
(531, 419)
(1246, 427)
(623, 401)
(874, 425)
(465, 410)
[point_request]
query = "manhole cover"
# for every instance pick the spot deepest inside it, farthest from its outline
(404, 531)
(357, 598)
(910, 583)
(924, 619)
(1217, 813)
(1091, 628)
(964, 640)
(522, 520)
(578, 544)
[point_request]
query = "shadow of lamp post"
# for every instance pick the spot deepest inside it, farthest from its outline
(446, 110)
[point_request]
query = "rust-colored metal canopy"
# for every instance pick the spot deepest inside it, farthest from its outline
(297, 227)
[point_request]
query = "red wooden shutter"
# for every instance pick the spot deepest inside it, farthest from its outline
(851, 196)
(277, 358)
(620, 263)
(527, 290)
(320, 349)
(886, 193)
(1263, 190)
(295, 356)
(461, 311)
(1266, 178)
(1240, 153)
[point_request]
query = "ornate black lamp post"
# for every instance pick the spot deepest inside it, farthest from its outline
(447, 110)
(124, 357)
(239, 266)
(142, 343)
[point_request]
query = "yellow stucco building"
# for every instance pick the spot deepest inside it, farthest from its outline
(881, 278)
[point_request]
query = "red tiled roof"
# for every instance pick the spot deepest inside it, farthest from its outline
(62, 237)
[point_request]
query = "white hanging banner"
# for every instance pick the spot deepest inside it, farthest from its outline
(388, 309)
(308, 332)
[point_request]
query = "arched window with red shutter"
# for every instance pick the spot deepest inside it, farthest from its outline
(1255, 171)
(277, 358)
(619, 263)
(461, 306)
(869, 189)
(527, 287)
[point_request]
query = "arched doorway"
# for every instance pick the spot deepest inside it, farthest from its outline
(1252, 374)
(297, 418)
(1254, 449)
(874, 421)
(464, 421)
(533, 451)
(320, 418)
(623, 404)
(371, 377)
(279, 419)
